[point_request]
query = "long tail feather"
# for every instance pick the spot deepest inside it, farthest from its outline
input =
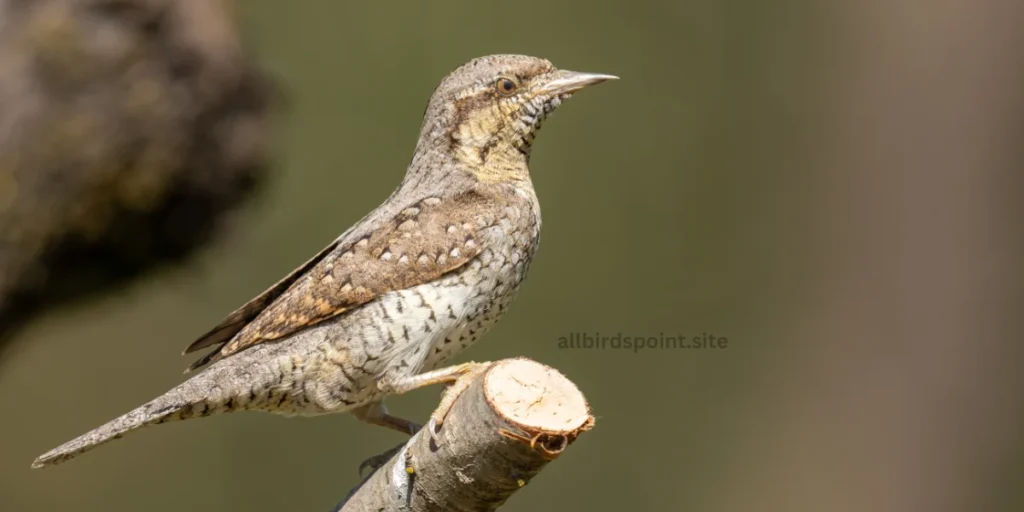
(159, 410)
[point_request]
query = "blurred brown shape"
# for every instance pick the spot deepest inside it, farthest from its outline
(903, 379)
(127, 128)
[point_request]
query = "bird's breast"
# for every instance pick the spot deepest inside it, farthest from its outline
(418, 328)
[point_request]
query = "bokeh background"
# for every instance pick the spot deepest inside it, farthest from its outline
(834, 187)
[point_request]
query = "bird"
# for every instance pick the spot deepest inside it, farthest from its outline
(418, 280)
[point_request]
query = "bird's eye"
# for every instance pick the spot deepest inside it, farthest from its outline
(506, 86)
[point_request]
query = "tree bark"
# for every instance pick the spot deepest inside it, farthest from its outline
(511, 421)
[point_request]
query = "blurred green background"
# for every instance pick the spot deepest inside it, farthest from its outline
(832, 187)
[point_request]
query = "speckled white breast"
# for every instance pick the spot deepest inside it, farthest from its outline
(410, 331)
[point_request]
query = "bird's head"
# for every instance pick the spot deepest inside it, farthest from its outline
(486, 113)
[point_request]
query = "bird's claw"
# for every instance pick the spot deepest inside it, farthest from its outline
(413, 428)
(377, 461)
(452, 394)
(433, 429)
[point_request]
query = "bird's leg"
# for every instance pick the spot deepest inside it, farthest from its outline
(452, 393)
(376, 413)
(460, 375)
(377, 461)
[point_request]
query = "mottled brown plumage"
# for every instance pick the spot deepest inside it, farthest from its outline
(424, 241)
(412, 284)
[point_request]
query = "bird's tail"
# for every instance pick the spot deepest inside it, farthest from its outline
(218, 389)
(166, 408)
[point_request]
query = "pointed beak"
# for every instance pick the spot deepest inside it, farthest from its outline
(568, 82)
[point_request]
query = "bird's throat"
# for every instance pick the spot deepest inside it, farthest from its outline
(491, 149)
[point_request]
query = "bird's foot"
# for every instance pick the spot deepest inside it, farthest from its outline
(376, 413)
(452, 393)
(460, 376)
(377, 461)
(406, 383)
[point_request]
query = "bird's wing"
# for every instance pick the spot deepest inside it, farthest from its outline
(238, 319)
(419, 244)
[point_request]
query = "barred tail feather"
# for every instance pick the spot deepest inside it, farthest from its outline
(157, 411)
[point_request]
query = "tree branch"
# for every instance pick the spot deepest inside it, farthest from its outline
(508, 424)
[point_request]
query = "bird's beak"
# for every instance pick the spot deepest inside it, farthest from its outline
(568, 82)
